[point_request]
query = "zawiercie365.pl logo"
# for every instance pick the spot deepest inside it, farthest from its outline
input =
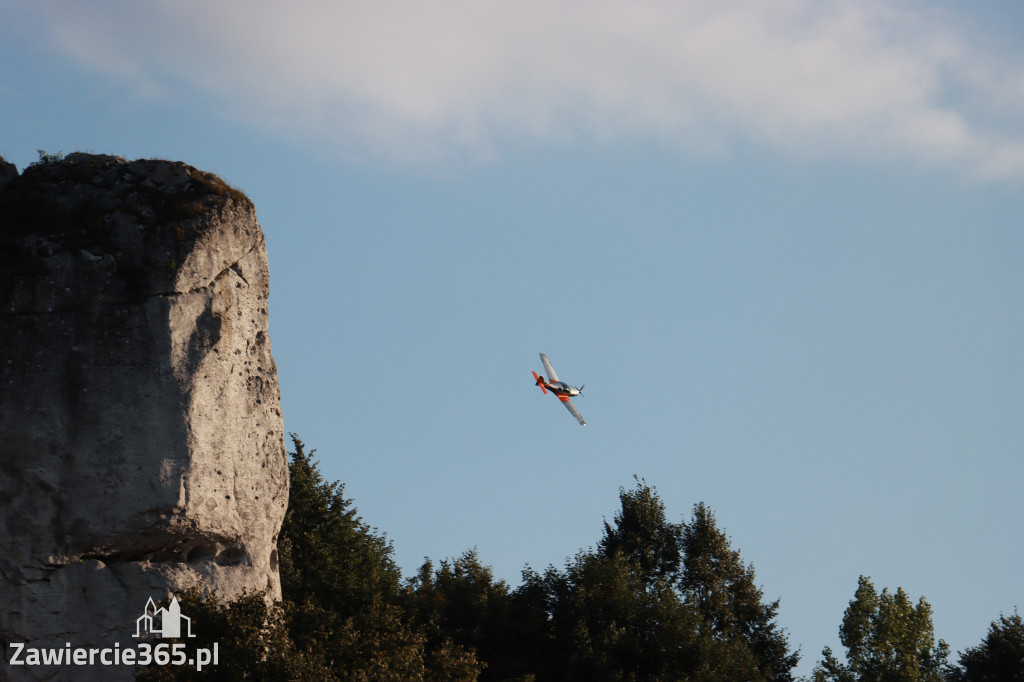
(159, 623)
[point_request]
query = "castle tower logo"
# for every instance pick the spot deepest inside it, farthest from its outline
(170, 619)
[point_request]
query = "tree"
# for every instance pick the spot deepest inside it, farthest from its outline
(643, 534)
(999, 657)
(887, 639)
(252, 640)
(715, 580)
(608, 623)
(326, 552)
(459, 605)
(657, 600)
(342, 589)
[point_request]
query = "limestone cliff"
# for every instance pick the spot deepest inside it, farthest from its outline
(141, 438)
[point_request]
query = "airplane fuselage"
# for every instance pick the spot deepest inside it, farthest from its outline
(562, 388)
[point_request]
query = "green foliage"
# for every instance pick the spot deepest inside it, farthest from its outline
(723, 590)
(999, 657)
(887, 639)
(643, 534)
(656, 600)
(343, 587)
(463, 611)
(326, 553)
(252, 641)
(47, 159)
(612, 624)
(624, 611)
(734, 633)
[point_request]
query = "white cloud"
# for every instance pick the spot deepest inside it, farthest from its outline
(413, 79)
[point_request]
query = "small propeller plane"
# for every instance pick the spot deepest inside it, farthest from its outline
(562, 390)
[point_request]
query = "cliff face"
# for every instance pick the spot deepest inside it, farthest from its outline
(141, 439)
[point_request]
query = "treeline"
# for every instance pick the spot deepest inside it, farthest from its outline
(655, 600)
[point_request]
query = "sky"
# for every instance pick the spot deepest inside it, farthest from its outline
(780, 242)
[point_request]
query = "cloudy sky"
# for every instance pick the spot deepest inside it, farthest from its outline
(780, 242)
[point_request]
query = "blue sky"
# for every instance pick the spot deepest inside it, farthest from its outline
(780, 243)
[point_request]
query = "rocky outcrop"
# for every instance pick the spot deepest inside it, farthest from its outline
(141, 438)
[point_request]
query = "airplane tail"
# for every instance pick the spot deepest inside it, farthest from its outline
(540, 382)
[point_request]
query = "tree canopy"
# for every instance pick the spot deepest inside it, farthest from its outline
(655, 600)
(723, 589)
(887, 638)
(1000, 656)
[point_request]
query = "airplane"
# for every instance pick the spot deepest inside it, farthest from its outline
(562, 390)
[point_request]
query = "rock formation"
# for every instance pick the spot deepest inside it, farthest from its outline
(141, 439)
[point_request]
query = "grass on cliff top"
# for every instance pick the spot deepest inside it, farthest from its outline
(200, 182)
(47, 197)
(74, 198)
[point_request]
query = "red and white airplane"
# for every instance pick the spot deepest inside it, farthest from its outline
(562, 390)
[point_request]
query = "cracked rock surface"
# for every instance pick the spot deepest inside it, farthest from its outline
(141, 440)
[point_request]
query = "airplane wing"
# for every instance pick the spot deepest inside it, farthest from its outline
(572, 408)
(552, 377)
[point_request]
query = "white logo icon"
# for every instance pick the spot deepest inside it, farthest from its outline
(170, 621)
